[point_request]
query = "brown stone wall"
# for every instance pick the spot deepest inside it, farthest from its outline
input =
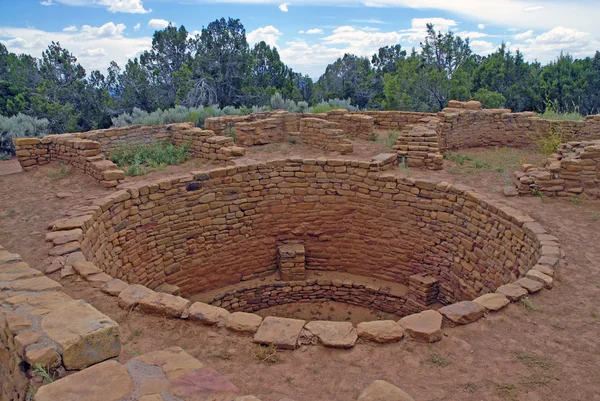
(574, 170)
(209, 230)
(419, 144)
(323, 134)
(112, 138)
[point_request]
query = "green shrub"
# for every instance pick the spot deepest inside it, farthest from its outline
(141, 159)
(19, 126)
(549, 143)
(489, 99)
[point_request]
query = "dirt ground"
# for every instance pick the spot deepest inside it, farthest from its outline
(547, 351)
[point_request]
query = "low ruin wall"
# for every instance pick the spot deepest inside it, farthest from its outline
(210, 230)
(419, 145)
(574, 170)
(323, 134)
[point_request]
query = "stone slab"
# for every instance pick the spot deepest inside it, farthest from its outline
(207, 314)
(333, 334)
(530, 285)
(380, 331)
(163, 304)
(114, 287)
(463, 312)
(425, 326)
(243, 322)
(513, 292)
(492, 302)
(279, 331)
(131, 296)
(381, 390)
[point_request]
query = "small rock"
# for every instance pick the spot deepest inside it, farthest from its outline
(530, 285)
(381, 331)
(243, 322)
(163, 304)
(55, 266)
(131, 296)
(425, 326)
(510, 191)
(206, 314)
(279, 331)
(381, 390)
(463, 312)
(544, 269)
(63, 195)
(333, 334)
(546, 280)
(114, 287)
(492, 302)
(64, 249)
(513, 292)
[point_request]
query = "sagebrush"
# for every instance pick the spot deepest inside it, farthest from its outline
(19, 126)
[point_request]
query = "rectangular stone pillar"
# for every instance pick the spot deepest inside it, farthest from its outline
(290, 258)
(423, 289)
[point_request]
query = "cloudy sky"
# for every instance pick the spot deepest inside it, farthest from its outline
(308, 33)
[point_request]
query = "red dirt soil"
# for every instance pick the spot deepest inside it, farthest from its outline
(551, 353)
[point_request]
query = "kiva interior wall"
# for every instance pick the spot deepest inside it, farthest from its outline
(208, 230)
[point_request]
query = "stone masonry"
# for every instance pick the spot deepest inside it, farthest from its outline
(290, 260)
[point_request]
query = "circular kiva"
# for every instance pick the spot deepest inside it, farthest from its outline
(242, 238)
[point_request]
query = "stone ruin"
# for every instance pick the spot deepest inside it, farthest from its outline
(214, 247)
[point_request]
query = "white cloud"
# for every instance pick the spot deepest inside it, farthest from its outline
(369, 21)
(534, 8)
(47, 3)
(284, 7)
(418, 30)
(523, 35)
(70, 28)
(95, 47)
(268, 34)
(481, 26)
(360, 42)
(482, 47)
(137, 27)
(301, 32)
(548, 45)
(157, 23)
(314, 31)
(114, 6)
(309, 59)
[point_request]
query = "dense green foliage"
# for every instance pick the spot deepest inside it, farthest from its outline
(189, 78)
(140, 159)
(19, 126)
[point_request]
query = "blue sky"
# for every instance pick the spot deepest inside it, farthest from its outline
(309, 33)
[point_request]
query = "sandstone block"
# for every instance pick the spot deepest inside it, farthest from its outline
(548, 271)
(513, 292)
(546, 280)
(114, 287)
(280, 332)
(530, 285)
(207, 314)
(85, 335)
(381, 331)
(131, 296)
(333, 334)
(463, 312)
(46, 356)
(492, 302)
(36, 284)
(381, 390)
(425, 326)
(164, 304)
(243, 322)
(85, 268)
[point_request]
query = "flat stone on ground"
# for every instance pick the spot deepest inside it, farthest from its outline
(381, 390)
(243, 322)
(381, 331)
(114, 287)
(548, 271)
(425, 326)
(530, 285)
(19, 274)
(64, 249)
(163, 304)
(207, 314)
(173, 361)
(107, 381)
(98, 280)
(536, 275)
(513, 292)
(333, 334)
(492, 302)
(131, 296)
(279, 331)
(463, 312)
(85, 268)
(168, 289)
(63, 237)
(85, 335)
(203, 384)
(36, 284)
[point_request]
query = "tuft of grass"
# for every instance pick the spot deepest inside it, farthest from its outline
(533, 361)
(506, 391)
(61, 172)
(142, 159)
(314, 369)
(596, 217)
(528, 304)
(471, 387)
(438, 360)
(536, 192)
(390, 139)
(576, 200)
(549, 142)
(44, 372)
(267, 355)
(293, 141)
(374, 137)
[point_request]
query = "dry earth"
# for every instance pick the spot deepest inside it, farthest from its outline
(548, 350)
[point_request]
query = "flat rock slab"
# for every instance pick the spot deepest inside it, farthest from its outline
(513, 292)
(536, 275)
(64, 249)
(62, 237)
(548, 271)
(207, 314)
(131, 296)
(168, 289)
(74, 257)
(85, 268)
(492, 302)
(530, 285)
(333, 334)
(7, 257)
(114, 287)
(173, 361)
(203, 384)
(107, 381)
(20, 273)
(98, 280)
(163, 304)
(279, 331)
(85, 335)
(243, 322)
(425, 326)
(380, 331)
(463, 312)
(381, 390)
(36, 284)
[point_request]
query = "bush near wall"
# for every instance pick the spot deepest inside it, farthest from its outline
(19, 126)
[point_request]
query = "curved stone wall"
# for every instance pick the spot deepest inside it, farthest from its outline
(207, 230)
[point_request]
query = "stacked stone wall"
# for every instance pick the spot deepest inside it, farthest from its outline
(574, 170)
(418, 144)
(209, 230)
(323, 134)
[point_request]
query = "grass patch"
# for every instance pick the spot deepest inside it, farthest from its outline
(528, 304)
(142, 159)
(551, 114)
(502, 161)
(390, 139)
(438, 360)
(595, 217)
(43, 372)
(61, 172)
(267, 355)
(506, 391)
(533, 361)
(576, 200)
(471, 387)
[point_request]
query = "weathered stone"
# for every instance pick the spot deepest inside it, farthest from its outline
(530, 285)
(168, 289)
(24, 340)
(55, 266)
(98, 280)
(207, 314)
(16, 323)
(546, 280)
(510, 191)
(513, 292)
(174, 361)
(85, 335)
(46, 357)
(50, 300)
(64, 249)
(19, 274)
(74, 257)
(85, 268)
(548, 271)
(164, 304)
(492, 302)
(243, 322)
(114, 287)
(63, 237)
(381, 390)
(425, 326)
(333, 334)
(279, 331)
(381, 331)
(36, 284)
(463, 312)
(131, 296)
(7, 257)
(107, 381)
(203, 384)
